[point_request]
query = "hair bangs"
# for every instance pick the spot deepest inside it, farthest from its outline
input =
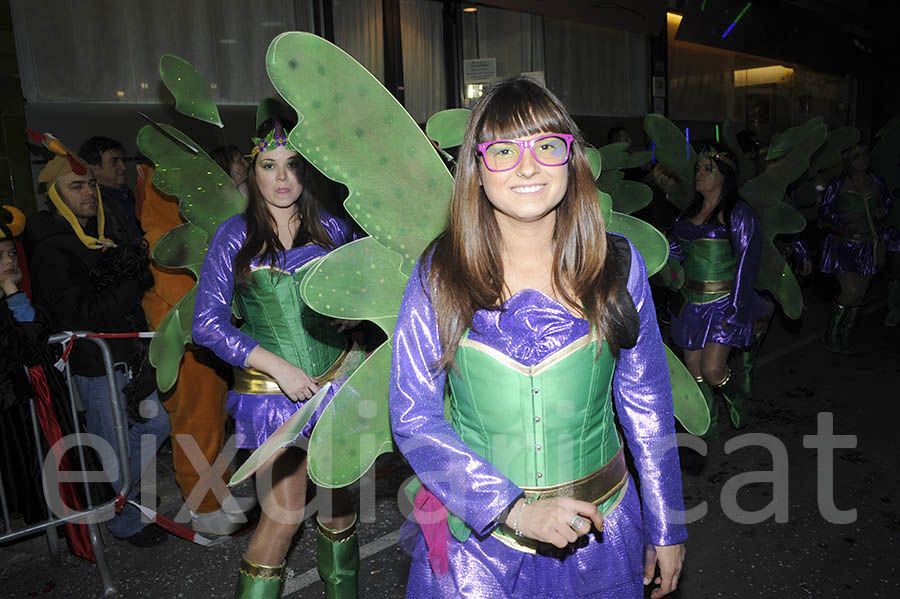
(518, 110)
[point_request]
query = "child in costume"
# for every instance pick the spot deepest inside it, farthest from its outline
(717, 239)
(281, 354)
(537, 319)
(854, 206)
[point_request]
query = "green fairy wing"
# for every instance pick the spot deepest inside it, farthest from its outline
(447, 127)
(673, 151)
(766, 194)
(207, 196)
(627, 196)
(355, 132)
(190, 88)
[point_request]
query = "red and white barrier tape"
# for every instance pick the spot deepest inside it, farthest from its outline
(67, 344)
(180, 530)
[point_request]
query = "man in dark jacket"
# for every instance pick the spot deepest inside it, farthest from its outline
(106, 158)
(88, 276)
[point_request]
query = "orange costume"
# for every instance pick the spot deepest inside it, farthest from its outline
(196, 406)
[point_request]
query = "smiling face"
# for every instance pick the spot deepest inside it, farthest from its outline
(527, 193)
(278, 177)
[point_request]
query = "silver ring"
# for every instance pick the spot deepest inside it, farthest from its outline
(577, 522)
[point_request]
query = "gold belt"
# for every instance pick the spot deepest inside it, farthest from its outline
(253, 382)
(708, 286)
(596, 487)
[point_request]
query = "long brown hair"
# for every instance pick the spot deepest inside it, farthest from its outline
(466, 267)
(262, 233)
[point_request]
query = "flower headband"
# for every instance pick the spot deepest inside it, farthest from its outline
(714, 155)
(275, 139)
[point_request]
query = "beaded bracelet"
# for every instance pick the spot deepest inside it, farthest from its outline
(528, 500)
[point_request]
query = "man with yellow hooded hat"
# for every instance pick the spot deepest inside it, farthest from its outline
(88, 276)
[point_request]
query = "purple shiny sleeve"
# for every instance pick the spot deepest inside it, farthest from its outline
(212, 325)
(338, 229)
(746, 239)
(676, 249)
(467, 484)
(827, 211)
(643, 399)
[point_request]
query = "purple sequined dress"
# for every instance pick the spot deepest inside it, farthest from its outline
(256, 416)
(530, 328)
(850, 248)
(730, 319)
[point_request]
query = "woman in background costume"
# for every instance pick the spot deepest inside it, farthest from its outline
(537, 319)
(281, 354)
(854, 206)
(718, 242)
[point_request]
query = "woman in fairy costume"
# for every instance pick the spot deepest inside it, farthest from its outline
(282, 353)
(854, 207)
(718, 241)
(536, 319)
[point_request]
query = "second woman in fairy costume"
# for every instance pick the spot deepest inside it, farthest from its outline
(719, 243)
(281, 354)
(854, 207)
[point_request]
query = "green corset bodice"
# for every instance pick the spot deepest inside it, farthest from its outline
(541, 425)
(855, 214)
(709, 269)
(276, 317)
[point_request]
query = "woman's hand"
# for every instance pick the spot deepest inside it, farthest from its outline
(294, 382)
(558, 521)
(670, 559)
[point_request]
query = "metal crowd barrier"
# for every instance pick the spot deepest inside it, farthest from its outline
(52, 524)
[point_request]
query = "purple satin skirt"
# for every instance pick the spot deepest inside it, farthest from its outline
(843, 256)
(256, 417)
(699, 324)
(609, 568)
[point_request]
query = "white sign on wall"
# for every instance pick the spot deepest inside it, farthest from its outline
(480, 70)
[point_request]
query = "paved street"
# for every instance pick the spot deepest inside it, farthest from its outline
(793, 552)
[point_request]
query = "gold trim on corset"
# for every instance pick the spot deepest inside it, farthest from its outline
(708, 286)
(554, 358)
(596, 487)
(250, 381)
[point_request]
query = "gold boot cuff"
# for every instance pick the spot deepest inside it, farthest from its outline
(338, 536)
(724, 381)
(248, 568)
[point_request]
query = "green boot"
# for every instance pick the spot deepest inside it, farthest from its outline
(851, 317)
(713, 431)
(338, 561)
(744, 363)
(259, 582)
(836, 324)
(733, 392)
(892, 318)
